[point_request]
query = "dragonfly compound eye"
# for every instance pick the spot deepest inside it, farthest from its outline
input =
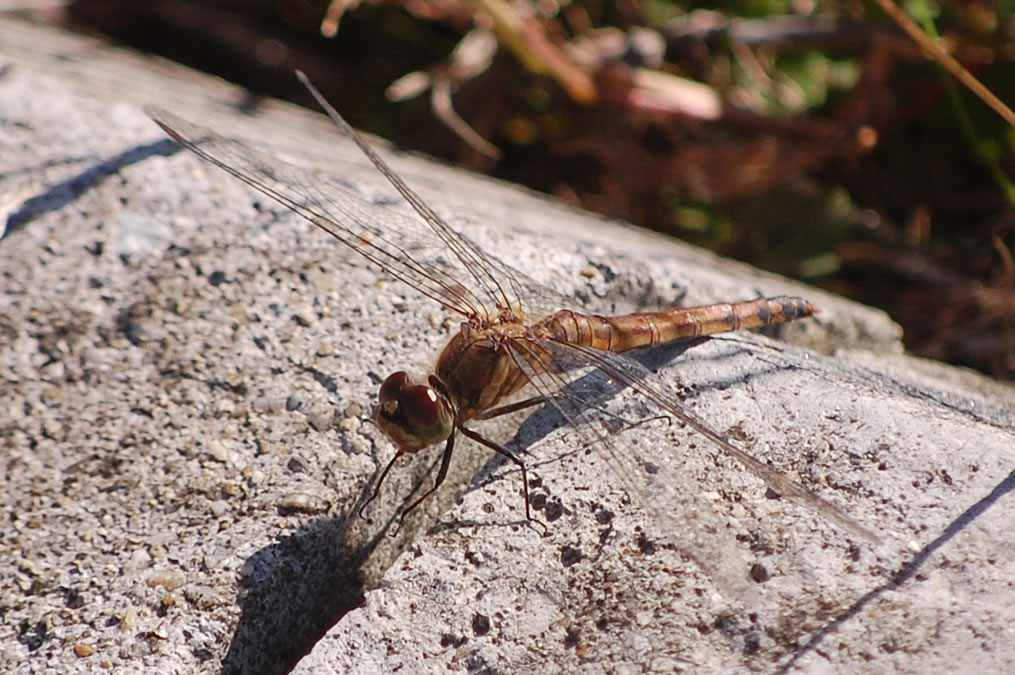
(413, 415)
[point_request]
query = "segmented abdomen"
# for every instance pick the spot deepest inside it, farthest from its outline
(644, 329)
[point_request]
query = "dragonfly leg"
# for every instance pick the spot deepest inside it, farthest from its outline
(377, 488)
(508, 409)
(633, 425)
(504, 452)
(442, 473)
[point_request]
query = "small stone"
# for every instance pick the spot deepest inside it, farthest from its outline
(322, 420)
(218, 508)
(202, 597)
(226, 407)
(217, 451)
(302, 502)
(129, 618)
(304, 318)
(350, 424)
(168, 579)
(268, 404)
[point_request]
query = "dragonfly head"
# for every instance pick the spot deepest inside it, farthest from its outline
(414, 416)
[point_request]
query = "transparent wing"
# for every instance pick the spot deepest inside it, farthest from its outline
(426, 254)
(577, 380)
(634, 375)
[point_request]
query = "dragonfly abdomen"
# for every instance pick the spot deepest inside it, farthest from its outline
(644, 329)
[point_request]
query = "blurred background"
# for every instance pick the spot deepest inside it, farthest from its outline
(814, 139)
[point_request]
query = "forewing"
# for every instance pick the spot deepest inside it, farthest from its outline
(507, 288)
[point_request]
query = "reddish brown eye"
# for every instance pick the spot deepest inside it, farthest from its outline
(420, 405)
(413, 415)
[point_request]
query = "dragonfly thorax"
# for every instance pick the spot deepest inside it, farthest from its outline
(477, 370)
(413, 415)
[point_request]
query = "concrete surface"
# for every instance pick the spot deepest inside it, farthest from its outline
(184, 368)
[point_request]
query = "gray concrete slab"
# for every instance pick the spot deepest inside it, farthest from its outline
(184, 367)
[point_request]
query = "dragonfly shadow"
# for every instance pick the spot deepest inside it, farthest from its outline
(294, 590)
(291, 593)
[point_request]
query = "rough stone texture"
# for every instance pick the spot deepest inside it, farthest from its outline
(183, 372)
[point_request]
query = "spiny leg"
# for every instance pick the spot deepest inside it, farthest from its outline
(501, 450)
(442, 473)
(628, 425)
(449, 447)
(377, 488)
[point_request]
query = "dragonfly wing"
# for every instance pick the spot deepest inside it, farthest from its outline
(506, 287)
(426, 254)
(628, 372)
(579, 383)
(581, 392)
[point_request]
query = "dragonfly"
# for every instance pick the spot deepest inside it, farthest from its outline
(515, 335)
